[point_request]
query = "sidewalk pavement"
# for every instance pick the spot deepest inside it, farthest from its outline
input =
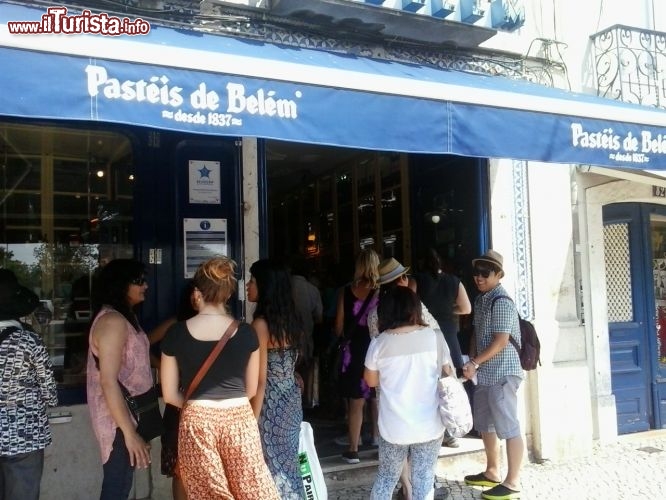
(634, 467)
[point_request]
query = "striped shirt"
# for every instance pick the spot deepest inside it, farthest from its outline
(500, 317)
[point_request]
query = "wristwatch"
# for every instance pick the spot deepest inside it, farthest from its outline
(474, 363)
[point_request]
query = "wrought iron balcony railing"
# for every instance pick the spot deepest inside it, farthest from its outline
(630, 65)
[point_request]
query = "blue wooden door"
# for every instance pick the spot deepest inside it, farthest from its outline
(630, 322)
(656, 216)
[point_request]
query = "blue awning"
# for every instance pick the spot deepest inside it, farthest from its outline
(210, 84)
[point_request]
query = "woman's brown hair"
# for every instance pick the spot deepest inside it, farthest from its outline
(216, 279)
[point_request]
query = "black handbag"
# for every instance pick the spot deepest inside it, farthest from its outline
(145, 409)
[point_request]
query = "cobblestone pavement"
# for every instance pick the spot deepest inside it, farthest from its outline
(632, 468)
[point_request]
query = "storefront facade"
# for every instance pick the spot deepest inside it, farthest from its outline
(178, 126)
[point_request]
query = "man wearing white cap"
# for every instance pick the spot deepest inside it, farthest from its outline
(496, 364)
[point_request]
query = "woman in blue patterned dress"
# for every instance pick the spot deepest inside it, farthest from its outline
(277, 404)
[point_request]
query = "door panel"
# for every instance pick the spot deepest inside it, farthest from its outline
(629, 320)
(227, 154)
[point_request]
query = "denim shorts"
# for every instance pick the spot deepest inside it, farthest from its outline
(496, 408)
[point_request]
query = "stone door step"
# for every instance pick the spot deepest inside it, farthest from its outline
(465, 459)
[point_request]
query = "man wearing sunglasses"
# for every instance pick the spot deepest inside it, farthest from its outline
(496, 365)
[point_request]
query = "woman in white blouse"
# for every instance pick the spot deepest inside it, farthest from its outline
(406, 360)
(393, 274)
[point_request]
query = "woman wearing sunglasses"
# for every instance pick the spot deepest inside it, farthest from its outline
(118, 352)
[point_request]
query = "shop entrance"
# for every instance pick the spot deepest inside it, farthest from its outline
(325, 204)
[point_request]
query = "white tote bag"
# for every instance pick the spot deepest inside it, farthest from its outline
(454, 407)
(311, 474)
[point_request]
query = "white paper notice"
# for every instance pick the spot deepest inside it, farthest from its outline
(203, 239)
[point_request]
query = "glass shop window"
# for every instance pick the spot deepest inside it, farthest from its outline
(66, 204)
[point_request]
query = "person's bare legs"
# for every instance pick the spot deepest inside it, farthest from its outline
(178, 489)
(355, 422)
(406, 480)
(491, 446)
(514, 455)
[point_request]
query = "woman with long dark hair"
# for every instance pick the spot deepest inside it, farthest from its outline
(277, 404)
(118, 352)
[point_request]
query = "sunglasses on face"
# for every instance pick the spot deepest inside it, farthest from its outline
(139, 281)
(481, 272)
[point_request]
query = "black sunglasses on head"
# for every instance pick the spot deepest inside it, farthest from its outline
(138, 281)
(482, 272)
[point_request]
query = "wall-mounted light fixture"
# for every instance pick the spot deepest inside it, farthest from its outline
(434, 217)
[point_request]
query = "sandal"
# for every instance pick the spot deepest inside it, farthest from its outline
(500, 492)
(480, 479)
